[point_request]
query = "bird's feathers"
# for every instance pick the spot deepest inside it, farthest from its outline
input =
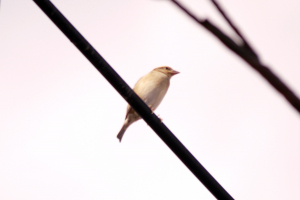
(121, 133)
(151, 88)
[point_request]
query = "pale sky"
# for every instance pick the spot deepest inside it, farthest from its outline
(59, 117)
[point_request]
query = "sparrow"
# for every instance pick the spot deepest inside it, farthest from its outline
(151, 88)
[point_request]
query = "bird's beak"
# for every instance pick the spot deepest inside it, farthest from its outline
(174, 72)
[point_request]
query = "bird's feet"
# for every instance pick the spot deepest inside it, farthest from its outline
(152, 111)
(161, 120)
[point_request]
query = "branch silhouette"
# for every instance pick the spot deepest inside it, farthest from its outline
(245, 51)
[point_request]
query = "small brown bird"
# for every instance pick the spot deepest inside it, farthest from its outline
(151, 88)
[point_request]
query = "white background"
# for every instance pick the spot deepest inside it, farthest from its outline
(59, 117)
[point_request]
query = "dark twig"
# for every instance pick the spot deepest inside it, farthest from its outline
(246, 44)
(136, 103)
(247, 54)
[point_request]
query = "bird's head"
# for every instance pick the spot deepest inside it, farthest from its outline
(166, 70)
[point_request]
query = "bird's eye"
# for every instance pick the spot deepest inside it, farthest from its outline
(167, 68)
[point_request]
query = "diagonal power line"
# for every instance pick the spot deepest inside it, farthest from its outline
(136, 103)
(245, 52)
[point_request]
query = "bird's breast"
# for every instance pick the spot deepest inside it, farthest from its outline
(152, 89)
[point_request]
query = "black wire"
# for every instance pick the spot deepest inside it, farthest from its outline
(137, 104)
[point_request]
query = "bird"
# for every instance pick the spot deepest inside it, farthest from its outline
(151, 88)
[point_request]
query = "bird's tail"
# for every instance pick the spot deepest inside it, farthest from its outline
(122, 131)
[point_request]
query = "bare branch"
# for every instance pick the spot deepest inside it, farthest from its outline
(246, 53)
(246, 44)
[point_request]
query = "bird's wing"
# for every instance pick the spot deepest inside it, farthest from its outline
(151, 89)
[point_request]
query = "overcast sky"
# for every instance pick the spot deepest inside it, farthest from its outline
(59, 117)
